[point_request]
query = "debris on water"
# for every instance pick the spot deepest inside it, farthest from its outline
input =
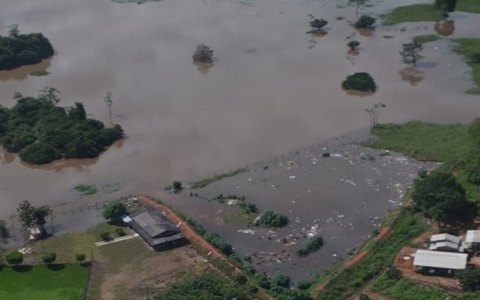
(247, 231)
(292, 177)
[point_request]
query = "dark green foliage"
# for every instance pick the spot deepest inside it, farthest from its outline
(39, 153)
(208, 286)
(14, 258)
(410, 52)
(114, 211)
(80, 257)
(365, 22)
(405, 227)
(318, 24)
(474, 131)
(353, 45)
(204, 182)
(440, 196)
(304, 284)
(248, 207)
(3, 229)
(219, 243)
(105, 236)
(203, 54)
(446, 5)
(240, 279)
(120, 232)
(30, 215)
(43, 132)
(263, 280)
(48, 257)
(474, 176)
(361, 81)
(271, 219)
(469, 278)
(23, 49)
(177, 186)
(313, 245)
(281, 280)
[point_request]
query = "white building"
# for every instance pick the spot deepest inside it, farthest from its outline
(446, 242)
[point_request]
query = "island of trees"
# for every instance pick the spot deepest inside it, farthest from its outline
(23, 49)
(41, 131)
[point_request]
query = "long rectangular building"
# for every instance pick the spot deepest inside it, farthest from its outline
(440, 260)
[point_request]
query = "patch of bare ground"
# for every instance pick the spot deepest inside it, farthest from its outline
(136, 281)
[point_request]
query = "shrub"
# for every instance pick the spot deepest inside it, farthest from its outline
(240, 279)
(203, 54)
(80, 257)
(271, 219)
(14, 258)
(49, 257)
(365, 22)
(3, 229)
(120, 232)
(281, 280)
(304, 284)
(263, 281)
(353, 45)
(39, 153)
(313, 245)
(362, 82)
(105, 236)
(318, 24)
(177, 186)
(114, 211)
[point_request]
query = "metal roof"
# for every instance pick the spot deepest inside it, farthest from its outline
(445, 237)
(439, 259)
(154, 224)
(473, 236)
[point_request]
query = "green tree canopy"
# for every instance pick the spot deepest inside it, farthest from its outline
(365, 22)
(14, 258)
(470, 279)
(31, 216)
(114, 211)
(49, 257)
(360, 81)
(440, 196)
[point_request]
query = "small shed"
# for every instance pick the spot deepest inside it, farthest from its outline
(472, 240)
(155, 229)
(446, 242)
(439, 261)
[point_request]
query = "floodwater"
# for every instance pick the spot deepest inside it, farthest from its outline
(272, 88)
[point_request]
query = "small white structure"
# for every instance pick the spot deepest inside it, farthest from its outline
(440, 260)
(472, 239)
(446, 242)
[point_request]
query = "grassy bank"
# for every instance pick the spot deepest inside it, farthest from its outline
(426, 38)
(424, 141)
(405, 226)
(413, 13)
(471, 6)
(66, 282)
(467, 48)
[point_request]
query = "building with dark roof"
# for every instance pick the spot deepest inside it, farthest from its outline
(155, 229)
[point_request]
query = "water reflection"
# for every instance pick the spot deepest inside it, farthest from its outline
(444, 28)
(411, 75)
(23, 72)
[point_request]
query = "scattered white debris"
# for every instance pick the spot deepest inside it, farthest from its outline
(292, 177)
(247, 231)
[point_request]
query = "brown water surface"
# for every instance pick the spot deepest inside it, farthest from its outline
(268, 92)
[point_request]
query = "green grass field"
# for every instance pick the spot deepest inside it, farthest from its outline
(471, 6)
(466, 48)
(413, 13)
(42, 283)
(426, 38)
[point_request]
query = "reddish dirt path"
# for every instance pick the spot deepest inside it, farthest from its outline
(185, 228)
(384, 233)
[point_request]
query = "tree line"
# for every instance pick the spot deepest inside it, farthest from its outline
(23, 49)
(41, 131)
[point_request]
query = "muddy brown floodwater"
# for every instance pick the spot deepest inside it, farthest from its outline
(272, 88)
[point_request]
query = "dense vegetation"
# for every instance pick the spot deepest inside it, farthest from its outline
(23, 49)
(405, 227)
(272, 219)
(365, 22)
(203, 54)
(42, 132)
(314, 244)
(114, 211)
(361, 81)
(208, 286)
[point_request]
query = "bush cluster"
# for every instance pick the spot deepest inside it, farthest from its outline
(361, 81)
(313, 245)
(43, 132)
(23, 49)
(271, 219)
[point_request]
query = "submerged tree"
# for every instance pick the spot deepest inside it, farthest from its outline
(108, 101)
(317, 24)
(353, 45)
(203, 54)
(31, 216)
(411, 52)
(365, 22)
(114, 211)
(373, 113)
(362, 82)
(358, 4)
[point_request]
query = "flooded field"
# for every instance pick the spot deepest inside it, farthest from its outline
(272, 88)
